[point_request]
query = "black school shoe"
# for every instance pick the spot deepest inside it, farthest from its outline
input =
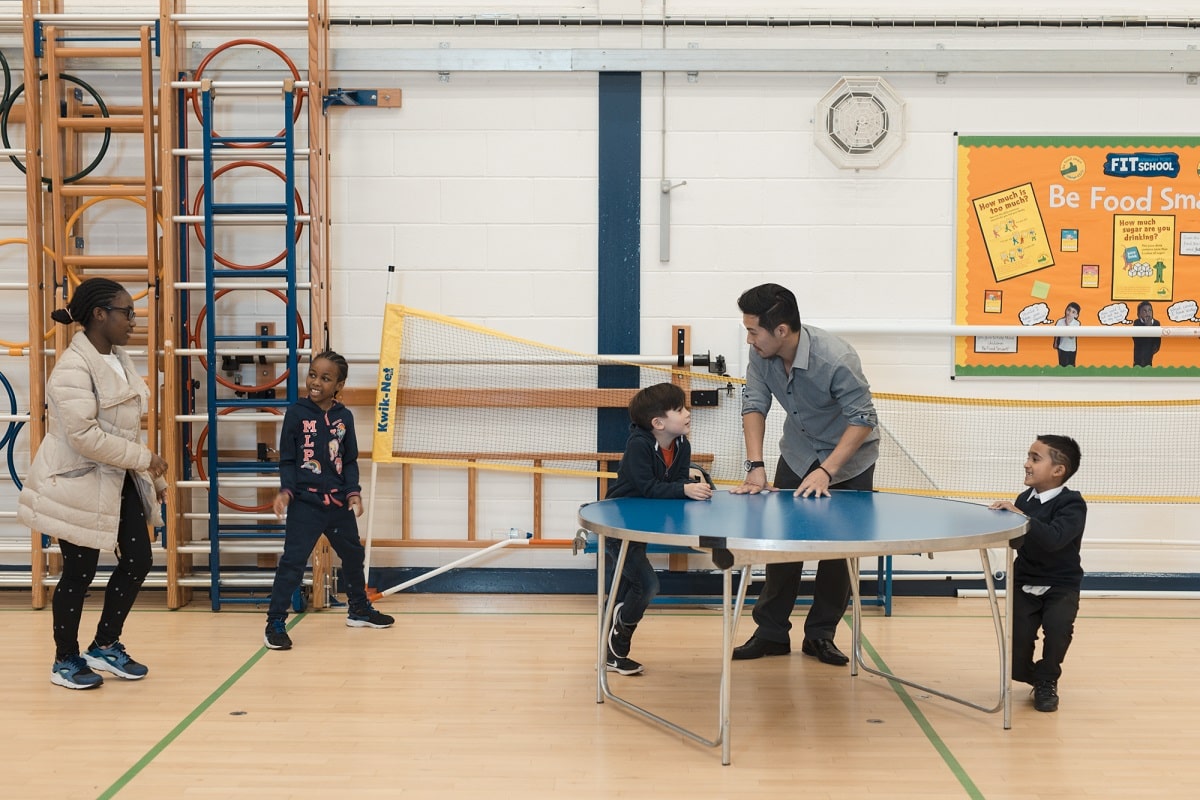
(1045, 696)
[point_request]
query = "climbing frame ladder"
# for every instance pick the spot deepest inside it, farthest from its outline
(63, 115)
(223, 470)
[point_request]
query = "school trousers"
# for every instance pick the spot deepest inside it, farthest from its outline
(305, 523)
(831, 593)
(1054, 613)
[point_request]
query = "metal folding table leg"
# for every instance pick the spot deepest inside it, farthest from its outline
(731, 610)
(1003, 637)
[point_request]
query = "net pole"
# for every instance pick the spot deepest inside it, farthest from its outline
(370, 519)
(433, 573)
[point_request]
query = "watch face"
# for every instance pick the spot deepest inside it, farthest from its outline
(857, 122)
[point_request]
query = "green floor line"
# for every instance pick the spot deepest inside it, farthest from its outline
(162, 743)
(902, 692)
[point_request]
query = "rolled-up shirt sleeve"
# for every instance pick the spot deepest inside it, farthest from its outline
(852, 392)
(756, 394)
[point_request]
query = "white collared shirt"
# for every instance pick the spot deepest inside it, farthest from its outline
(1044, 497)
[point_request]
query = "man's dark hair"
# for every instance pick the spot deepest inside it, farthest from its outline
(773, 305)
(1063, 450)
(655, 401)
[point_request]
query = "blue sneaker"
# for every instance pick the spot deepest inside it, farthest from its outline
(74, 673)
(114, 659)
(368, 618)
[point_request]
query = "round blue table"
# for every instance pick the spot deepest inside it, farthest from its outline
(741, 530)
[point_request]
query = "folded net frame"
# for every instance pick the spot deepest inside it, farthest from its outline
(455, 394)
(1133, 451)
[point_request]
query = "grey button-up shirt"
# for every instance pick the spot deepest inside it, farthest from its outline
(824, 393)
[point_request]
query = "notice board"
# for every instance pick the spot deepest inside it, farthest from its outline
(1078, 231)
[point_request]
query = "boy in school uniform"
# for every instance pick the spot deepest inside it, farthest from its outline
(1047, 572)
(656, 464)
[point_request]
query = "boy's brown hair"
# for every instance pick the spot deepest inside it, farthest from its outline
(655, 401)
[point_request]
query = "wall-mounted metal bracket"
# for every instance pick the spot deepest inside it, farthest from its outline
(664, 217)
(382, 98)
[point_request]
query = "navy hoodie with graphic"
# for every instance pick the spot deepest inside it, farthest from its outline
(318, 454)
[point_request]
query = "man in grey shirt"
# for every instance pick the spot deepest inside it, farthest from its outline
(829, 441)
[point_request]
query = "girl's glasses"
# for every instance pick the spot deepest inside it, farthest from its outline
(126, 310)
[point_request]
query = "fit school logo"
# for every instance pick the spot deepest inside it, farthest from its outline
(1146, 165)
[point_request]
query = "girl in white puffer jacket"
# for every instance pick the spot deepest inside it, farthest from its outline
(93, 485)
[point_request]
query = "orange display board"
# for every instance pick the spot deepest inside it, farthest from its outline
(1087, 231)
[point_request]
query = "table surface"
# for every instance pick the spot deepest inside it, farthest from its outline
(845, 525)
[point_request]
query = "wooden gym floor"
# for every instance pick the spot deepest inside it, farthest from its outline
(482, 696)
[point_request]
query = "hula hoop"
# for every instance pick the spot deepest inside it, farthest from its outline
(48, 335)
(200, 228)
(9, 440)
(7, 79)
(72, 277)
(228, 384)
(194, 96)
(12, 101)
(198, 461)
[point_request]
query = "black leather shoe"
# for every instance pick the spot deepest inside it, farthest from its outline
(757, 648)
(825, 651)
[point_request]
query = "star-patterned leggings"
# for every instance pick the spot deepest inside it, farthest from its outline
(79, 568)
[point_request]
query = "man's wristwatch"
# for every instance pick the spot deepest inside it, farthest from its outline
(753, 465)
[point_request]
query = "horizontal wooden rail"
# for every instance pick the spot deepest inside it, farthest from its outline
(130, 262)
(96, 190)
(95, 124)
(485, 397)
(604, 462)
(479, 455)
(97, 52)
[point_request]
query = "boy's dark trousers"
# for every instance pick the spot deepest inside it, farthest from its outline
(1054, 612)
(831, 593)
(639, 582)
(305, 524)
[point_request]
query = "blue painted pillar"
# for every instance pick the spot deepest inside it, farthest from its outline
(619, 242)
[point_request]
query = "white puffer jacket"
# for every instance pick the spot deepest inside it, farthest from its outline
(93, 436)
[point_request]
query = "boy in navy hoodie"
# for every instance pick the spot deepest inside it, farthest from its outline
(656, 464)
(1047, 572)
(318, 479)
